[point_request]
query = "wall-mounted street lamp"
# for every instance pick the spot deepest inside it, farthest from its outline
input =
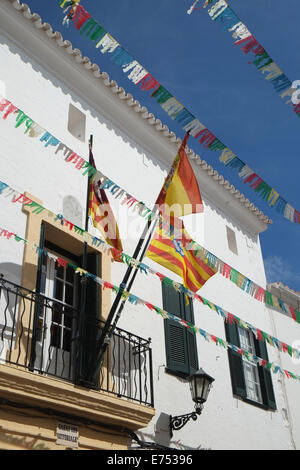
(200, 385)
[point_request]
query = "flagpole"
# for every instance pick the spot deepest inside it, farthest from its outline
(109, 327)
(82, 312)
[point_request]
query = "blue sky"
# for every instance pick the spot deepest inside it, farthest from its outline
(197, 62)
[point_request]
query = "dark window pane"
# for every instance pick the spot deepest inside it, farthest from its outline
(58, 290)
(67, 340)
(57, 314)
(70, 274)
(59, 272)
(68, 317)
(69, 294)
(55, 336)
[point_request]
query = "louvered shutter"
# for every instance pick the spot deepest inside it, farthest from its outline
(176, 347)
(181, 348)
(235, 361)
(38, 306)
(266, 378)
(192, 349)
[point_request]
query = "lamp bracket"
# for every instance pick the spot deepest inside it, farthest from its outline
(177, 422)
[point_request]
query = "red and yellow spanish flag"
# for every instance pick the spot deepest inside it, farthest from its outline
(101, 212)
(171, 253)
(180, 193)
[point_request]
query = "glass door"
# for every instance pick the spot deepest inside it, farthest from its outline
(250, 369)
(57, 318)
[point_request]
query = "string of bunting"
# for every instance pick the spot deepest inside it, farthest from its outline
(220, 12)
(126, 259)
(135, 300)
(34, 130)
(137, 74)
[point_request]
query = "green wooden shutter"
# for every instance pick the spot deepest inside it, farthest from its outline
(235, 362)
(171, 300)
(188, 309)
(90, 326)
(265, 377)
(181, 348)
(192, 349)
(175, 339)
(176, 347)
(41, 271)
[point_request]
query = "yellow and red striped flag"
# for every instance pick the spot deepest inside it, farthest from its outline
(171, 253)
(101, 212)
(180, 194)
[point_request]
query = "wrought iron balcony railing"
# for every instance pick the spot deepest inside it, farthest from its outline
(41, 335)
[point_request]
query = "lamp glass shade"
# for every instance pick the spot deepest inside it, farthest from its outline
(200, 384)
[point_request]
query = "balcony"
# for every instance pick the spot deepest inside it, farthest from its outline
(41, 335)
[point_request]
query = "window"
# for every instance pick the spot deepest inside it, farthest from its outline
(61, 347)
(250, 381)
(253, 389)
(181, 347)
(76, 123)
(60, 283)
(231, 239)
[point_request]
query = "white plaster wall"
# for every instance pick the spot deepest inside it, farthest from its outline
(289, 332)
(226, 422)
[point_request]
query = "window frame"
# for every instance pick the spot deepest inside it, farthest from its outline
(237, 375)
(249, 346)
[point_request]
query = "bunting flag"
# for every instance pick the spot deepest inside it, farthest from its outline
(193, 7)
(138, 75)
(126, 259)
(221, 13)
(208, 258)
(68, 3)
(101, 212)
(199, 253)
(170, 252)
(135, 300)
(34, 130)
(180, 193)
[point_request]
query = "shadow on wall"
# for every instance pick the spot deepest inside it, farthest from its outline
(11, 272)
(8, 307)
(72, 210)
(162, 430)
(12, 307)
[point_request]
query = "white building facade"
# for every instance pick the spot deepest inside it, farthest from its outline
(71, 99)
